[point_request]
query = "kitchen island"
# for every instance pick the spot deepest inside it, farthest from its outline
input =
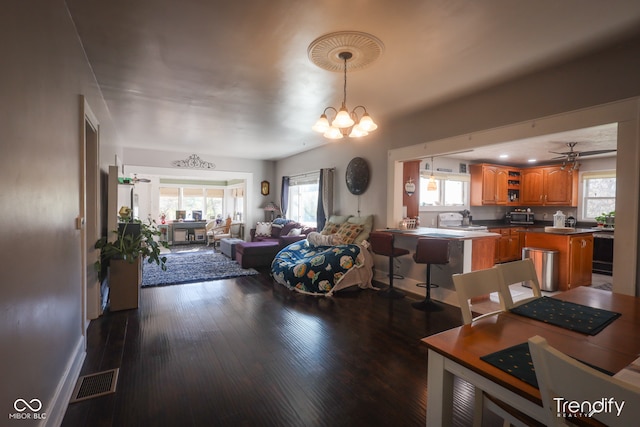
(575, 252)
(469, 251)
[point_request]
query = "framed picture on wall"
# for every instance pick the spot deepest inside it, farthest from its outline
(264, 188)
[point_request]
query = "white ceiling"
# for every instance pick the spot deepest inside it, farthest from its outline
(233, 78)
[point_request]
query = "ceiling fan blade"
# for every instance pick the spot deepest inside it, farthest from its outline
(565, 154)
(594, 152)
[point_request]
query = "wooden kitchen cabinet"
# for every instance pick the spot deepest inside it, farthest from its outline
(549, 186)
(508, 247)
(575, 255)
(489, 184)
(581, 260)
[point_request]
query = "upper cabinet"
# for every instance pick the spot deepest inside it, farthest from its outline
(539, 186)
(549, 186)
(494, 185)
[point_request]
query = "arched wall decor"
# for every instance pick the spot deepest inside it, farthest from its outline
(193, 162)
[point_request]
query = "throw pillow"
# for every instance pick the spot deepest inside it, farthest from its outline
(330, 228)
(288, 227)
(263, 229)
(276, 229)
(317, 239)
(338, 219)
(349, 232)
(367, 224)
(294, 232)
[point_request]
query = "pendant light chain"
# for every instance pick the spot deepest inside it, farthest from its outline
(344, 102)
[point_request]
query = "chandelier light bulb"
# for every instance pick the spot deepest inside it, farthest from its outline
(357, 132)
(333, 133)
(343, 118)
(367, 124)
(322, 125)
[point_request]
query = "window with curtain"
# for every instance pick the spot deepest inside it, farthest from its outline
(598, 193)
(303, 198)
(452, 190)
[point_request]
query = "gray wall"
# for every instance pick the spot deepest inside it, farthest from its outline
(43, 74)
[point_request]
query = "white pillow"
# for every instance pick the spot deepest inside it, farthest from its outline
(294, 232)
(263, 229)
(317, 239)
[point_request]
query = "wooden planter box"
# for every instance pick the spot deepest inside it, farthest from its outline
(125, 280)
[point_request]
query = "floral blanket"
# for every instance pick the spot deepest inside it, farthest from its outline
(320, 270)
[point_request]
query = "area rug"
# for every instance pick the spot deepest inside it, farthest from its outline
(192, 267)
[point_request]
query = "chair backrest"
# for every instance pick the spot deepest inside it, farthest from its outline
(432, 251)
(561, 376)
(475, 284)
(235, 229)
(518, 272)
(381, 243)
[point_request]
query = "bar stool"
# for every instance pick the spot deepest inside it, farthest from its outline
(430, 251)
(382, 244)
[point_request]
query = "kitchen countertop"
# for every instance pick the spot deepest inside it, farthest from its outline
(567, 231)
(444, 233)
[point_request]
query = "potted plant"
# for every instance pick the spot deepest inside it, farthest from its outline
(134, 241)
(600, 219)
(610, 219)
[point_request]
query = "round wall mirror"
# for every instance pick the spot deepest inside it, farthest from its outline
(357, 175)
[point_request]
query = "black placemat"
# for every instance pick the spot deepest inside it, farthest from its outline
(517, 361)
(568, 315)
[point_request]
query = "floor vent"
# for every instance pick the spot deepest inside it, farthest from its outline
(94, 385)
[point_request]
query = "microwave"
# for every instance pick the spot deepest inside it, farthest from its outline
(521, 218)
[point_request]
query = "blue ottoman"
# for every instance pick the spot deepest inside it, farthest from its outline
(228, 247)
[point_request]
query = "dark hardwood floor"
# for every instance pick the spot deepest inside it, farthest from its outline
(249, 352)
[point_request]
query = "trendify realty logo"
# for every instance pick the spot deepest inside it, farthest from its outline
(573, 408)
(27, 410)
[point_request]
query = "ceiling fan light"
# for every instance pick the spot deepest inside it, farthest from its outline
(367, 124)
(322, 125)
(333, 133)
(343, 118)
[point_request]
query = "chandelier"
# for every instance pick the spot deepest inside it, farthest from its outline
(331, 51)
(345, 122)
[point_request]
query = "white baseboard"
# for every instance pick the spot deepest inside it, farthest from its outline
(60, 399)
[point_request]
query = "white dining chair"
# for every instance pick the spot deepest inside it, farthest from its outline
(468, 286)
(475, 284)
(518, 272)
(562, 378)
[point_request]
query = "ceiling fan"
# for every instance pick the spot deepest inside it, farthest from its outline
(571, 157)
(134, 180)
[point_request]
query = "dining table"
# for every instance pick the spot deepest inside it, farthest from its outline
(458, 352)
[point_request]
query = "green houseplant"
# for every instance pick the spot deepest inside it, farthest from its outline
(134, 241)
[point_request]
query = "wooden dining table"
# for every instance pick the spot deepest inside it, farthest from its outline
(457, 352)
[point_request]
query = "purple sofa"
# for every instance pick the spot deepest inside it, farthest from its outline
(261, 250)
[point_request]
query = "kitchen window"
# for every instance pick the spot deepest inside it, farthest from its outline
(452, 190)
(598, 193)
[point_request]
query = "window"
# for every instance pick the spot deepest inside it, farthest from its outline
(452, 190)
(598, 193)
(210, 201)
(303, 199)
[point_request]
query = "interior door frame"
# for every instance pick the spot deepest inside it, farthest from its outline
(89, 218)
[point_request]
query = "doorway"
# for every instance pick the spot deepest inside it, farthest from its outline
(88, 220)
